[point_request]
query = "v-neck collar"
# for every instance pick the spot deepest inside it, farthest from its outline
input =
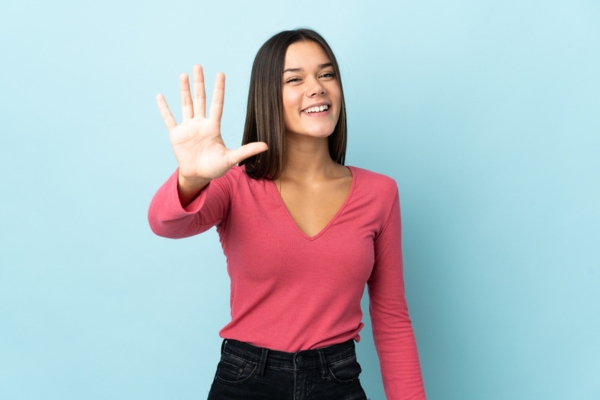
(331, 221)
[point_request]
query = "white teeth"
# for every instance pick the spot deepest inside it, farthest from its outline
(317, 109)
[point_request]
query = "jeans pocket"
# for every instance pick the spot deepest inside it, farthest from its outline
(233, 369)
(346, 370)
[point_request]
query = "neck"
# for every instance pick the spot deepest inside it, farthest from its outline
(307, 158)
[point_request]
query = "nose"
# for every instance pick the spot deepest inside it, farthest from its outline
(317, 89)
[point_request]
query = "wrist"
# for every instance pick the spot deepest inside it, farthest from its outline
(188, 189)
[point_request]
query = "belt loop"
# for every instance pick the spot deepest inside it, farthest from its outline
(263, 361)
(223, 346)
(323, 363)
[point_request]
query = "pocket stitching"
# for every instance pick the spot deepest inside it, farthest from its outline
(339, 362)
(250, 375)
(343, 360)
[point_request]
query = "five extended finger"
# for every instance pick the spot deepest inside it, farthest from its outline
(165, 113)
(216, 106)
(187, 110)
(199, 92)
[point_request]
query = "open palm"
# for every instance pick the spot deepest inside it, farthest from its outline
(196, 141)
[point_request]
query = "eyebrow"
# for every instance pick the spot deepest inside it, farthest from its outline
(321, 66)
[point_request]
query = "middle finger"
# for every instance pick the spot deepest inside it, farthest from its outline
(199, 92)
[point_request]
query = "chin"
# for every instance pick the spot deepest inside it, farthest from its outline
(321, 132)
(315, 133)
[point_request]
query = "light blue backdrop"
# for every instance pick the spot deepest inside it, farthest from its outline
(486, 114)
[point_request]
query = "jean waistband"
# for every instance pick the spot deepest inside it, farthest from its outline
(304, 359)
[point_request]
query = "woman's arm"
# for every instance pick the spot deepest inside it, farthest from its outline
(392, 327)
(196, 141)
(201, 156)
(169, 218)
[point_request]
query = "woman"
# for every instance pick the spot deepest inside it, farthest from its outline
(302, 233)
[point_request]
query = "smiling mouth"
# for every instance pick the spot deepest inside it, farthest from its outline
(316, 109)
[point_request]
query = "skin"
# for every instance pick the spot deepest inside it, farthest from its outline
(312, 186)
(199, 149)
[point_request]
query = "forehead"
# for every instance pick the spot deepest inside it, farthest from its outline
(305, 55)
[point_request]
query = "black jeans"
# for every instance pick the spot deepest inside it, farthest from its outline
(247, 372)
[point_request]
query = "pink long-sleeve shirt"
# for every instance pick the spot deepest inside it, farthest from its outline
(293, 292)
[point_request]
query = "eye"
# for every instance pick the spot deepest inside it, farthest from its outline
(292, 80)
(328, 74)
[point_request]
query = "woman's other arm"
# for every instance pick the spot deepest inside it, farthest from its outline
(392, 327)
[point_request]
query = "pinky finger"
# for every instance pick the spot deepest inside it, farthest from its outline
(165, 113)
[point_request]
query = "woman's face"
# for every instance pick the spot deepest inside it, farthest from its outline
(311, 92)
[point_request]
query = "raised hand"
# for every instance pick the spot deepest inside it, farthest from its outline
(196, 141)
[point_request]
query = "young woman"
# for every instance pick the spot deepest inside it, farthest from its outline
(302, 233)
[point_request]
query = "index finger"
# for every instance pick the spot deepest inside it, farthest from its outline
(216, 106)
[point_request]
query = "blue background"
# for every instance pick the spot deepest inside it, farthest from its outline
(486, 114)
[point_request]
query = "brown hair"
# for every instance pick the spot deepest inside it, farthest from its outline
(264, 115)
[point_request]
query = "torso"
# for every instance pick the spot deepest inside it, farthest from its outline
(312, 205)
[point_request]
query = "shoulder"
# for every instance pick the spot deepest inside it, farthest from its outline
(377, 184)
(233, 176)
(375, 195)
(228, 183)
(243, 185)
(237, 171)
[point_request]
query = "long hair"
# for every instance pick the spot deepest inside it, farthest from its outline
(264, 115)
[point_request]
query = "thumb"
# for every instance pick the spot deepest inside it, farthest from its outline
(245, 151)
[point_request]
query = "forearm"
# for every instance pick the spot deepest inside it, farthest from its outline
(169, 218)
